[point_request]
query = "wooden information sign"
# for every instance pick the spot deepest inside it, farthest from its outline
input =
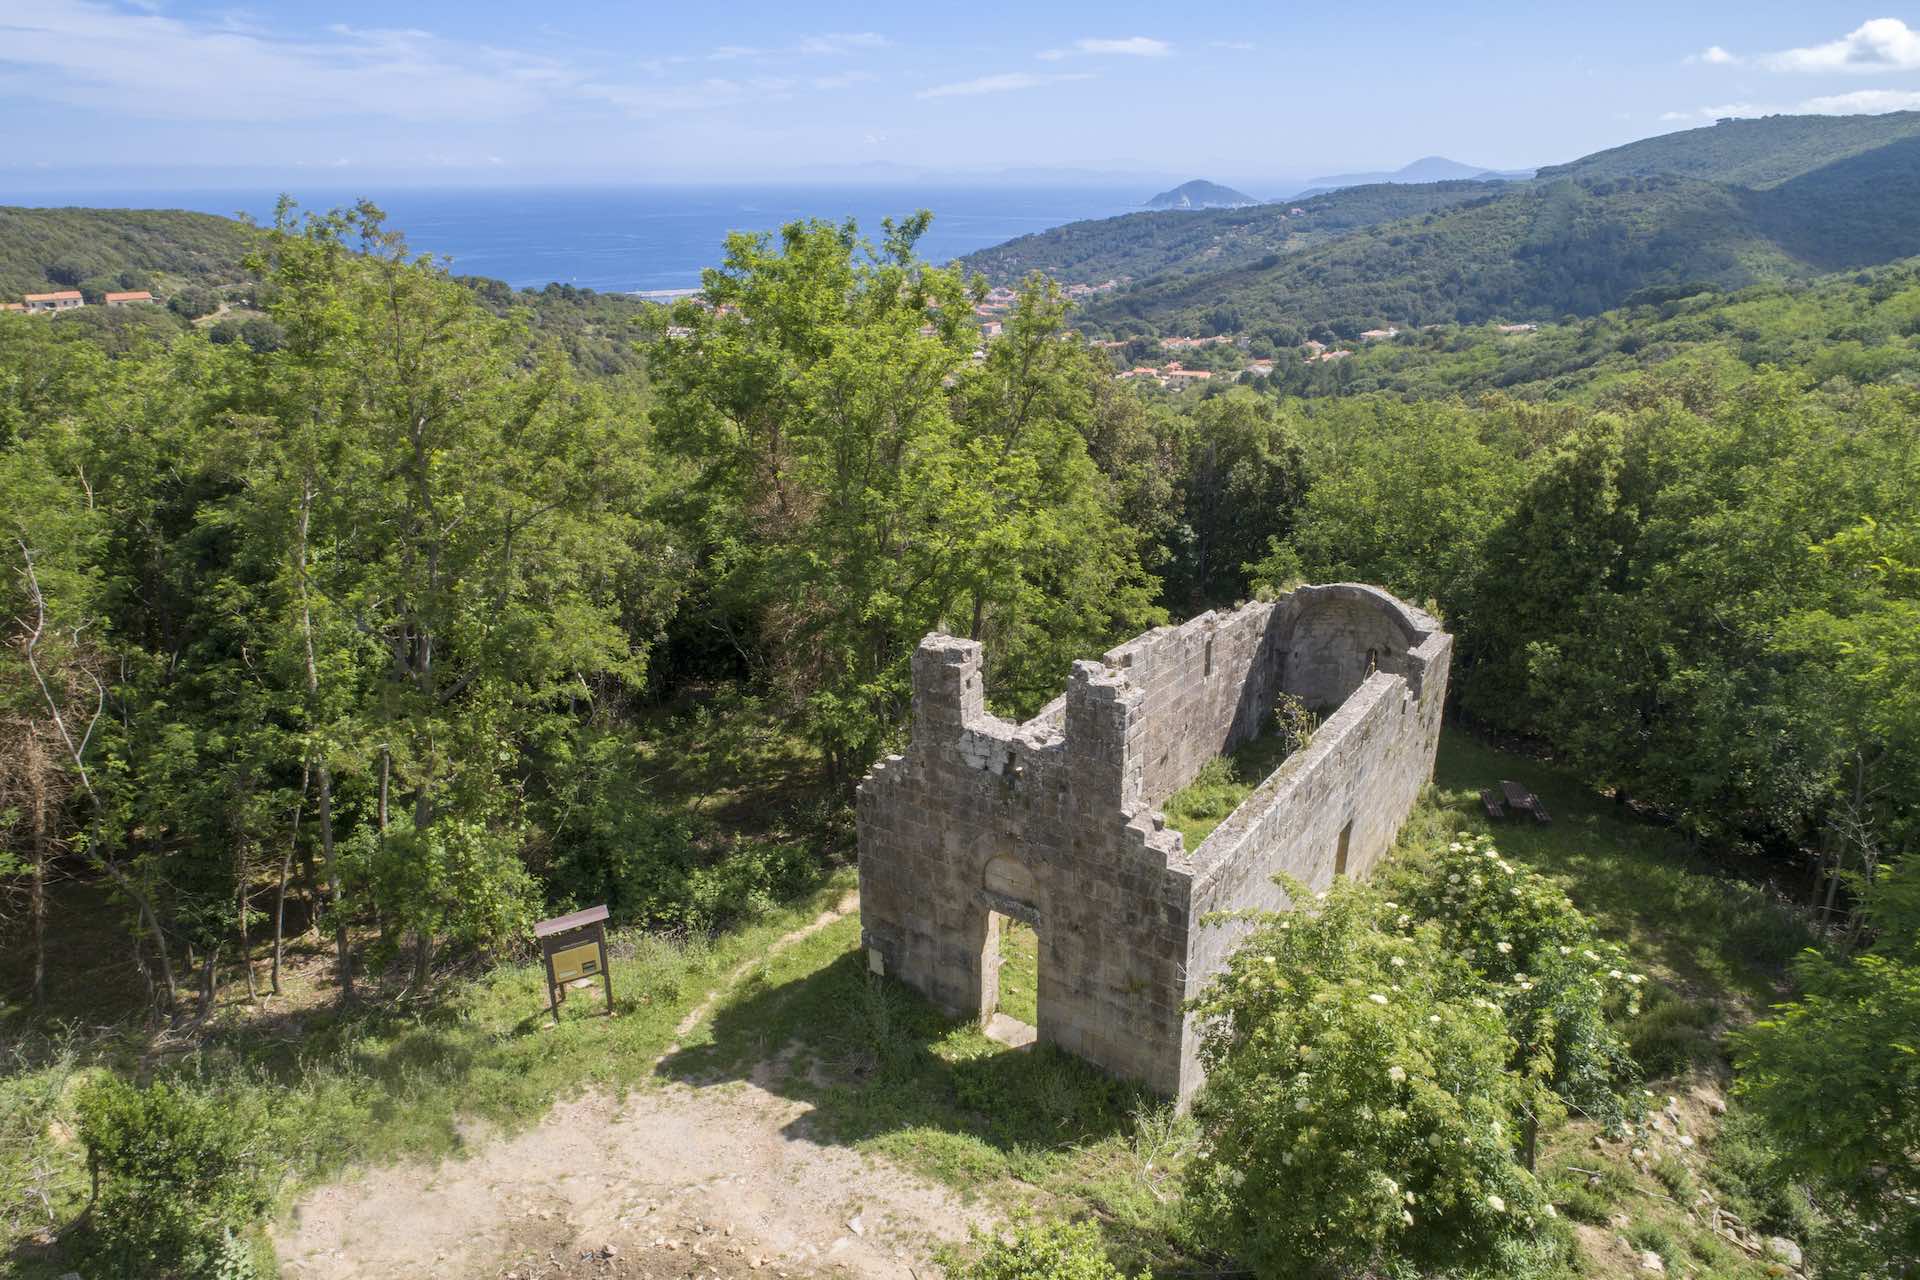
(575, 949)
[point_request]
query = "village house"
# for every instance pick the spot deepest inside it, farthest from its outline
(1379, 335)
(62, 300)
(131, 296)
(990, 329)
(1515, 328)
(1176, 376)
(13, 306)
(1259, 368)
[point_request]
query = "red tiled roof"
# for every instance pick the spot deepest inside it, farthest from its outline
(61, 296)
(134, 295)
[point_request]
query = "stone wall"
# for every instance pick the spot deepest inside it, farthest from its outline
(1056, 821)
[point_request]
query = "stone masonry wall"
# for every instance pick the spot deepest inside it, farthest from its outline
(1055, 821)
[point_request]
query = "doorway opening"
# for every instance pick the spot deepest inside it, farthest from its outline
(1340, 854)
(1010, 981)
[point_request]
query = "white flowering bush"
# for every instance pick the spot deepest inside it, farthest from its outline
(1559, 985)
(1360, 1110)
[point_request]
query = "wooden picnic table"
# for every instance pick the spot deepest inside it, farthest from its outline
(1521, 800)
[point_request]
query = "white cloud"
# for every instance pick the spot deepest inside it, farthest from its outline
(95, 56)
(133, 62)
(1859, 102)
(1004, 83)
(647, 100)
(1870, 102)
(1884, 44)
(842, 42)
(1714, 54)
(832, 44)
(1128, 46)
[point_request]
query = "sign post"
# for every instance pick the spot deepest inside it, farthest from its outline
(574, 947)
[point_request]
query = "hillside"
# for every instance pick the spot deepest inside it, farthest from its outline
(1842, 329)
(1747, 153)
(1551, 247)
(1200, 194)
(165, 249)
(1135, 246)
(1788, 197)
(1538, 252)
(44, 249)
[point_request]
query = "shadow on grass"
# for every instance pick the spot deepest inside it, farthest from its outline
(1709, 923)
(882, 1066)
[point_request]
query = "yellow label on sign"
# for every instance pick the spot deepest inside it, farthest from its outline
(576, 962)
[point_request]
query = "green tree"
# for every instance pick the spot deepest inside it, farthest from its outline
(1835, 1073)
(1242, 484)
(855, 485)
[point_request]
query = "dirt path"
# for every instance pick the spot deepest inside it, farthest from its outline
(682, 1181)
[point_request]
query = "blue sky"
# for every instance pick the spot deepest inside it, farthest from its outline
(169, 92)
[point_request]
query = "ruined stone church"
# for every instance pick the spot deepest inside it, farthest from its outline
(1056, 822)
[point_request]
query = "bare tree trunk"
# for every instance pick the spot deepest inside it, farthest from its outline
(36, 764)
(286, 872)
(240, 910)
(335, 892)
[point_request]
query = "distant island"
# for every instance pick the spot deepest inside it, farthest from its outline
(1200, 194)
(1427, 169)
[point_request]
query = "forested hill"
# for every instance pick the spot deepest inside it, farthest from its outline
(1747, 153)
(1731, 205)
(1135, 246)
(43, 249)
(1852, 330)
(1551, 247)
(195, 262)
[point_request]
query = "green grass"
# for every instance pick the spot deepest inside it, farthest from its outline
(1222, 783)
(380, 1081)
(885, 1072)
(1020, 971)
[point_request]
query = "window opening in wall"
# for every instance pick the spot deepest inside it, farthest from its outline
(1340, 854)
(1209, 658)
(1373, 661)
(1010, 978)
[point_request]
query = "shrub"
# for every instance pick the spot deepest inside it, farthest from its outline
(1358, 1107)
(1835, 1075)
(1045, 1251)
(175, 1178)
(1559, 984)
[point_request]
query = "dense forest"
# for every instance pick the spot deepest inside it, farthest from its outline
(1861, 328)
(442, 607)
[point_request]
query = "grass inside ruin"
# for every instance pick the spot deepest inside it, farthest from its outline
(1224, 781)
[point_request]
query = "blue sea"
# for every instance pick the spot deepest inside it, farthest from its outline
(647, 239)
